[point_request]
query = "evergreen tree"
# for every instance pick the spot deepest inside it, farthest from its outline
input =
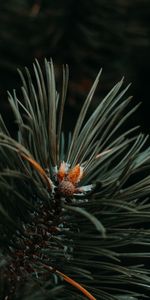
(74, 208)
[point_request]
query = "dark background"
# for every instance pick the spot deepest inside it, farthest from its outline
(114, 35)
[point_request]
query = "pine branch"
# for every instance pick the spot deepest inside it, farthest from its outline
(74, 212)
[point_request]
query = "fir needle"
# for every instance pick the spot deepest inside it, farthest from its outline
(39, 169)
(76, 285)
(70, 281)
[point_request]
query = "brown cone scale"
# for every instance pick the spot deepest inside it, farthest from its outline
(66, 188)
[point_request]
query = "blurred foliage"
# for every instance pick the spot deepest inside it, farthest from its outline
(114, 35)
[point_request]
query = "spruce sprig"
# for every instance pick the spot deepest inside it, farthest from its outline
(74, 208)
